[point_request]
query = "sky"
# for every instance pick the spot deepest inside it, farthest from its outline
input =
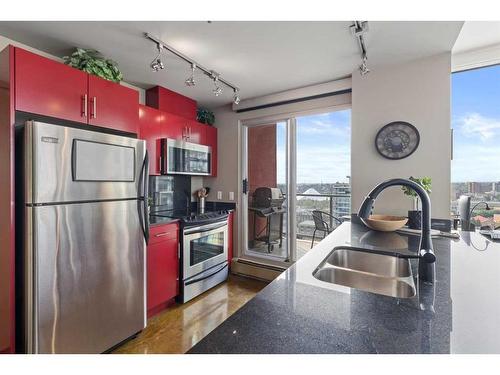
(323, 148)
(476, 125)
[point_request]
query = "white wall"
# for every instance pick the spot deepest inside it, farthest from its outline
(4, 42)
(419, 93)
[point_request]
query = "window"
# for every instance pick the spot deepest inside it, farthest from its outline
(476, 149)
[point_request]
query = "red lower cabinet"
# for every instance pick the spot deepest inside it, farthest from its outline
(162, 266)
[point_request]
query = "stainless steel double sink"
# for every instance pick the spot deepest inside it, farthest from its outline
(389, 275)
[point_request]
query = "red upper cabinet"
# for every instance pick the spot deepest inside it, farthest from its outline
(169, 101)
(162, 265)
(152, 130)
(175, 127)
(49, 88)
(211, 140)
(112, 105)
(197, 132)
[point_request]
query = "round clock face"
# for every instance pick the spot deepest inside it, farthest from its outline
(397, 140)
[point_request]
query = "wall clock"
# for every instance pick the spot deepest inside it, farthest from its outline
(397, 140)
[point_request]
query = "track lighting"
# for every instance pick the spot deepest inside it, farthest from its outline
(359, 29)
(236, 97)
(219, 82)
(190, 80)
(157, 64)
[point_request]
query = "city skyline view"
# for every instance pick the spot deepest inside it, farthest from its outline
(476, 125)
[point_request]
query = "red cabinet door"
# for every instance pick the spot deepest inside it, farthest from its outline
(211, 140)
(162, 265)
(49, 88)
(112, 105)
(152, 130)
(197, 132)
(176, 127)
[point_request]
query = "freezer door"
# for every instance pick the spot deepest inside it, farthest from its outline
(88, 284)
(66, 165)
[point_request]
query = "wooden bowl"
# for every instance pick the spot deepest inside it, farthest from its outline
(385, 223)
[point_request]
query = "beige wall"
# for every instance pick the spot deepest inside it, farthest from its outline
(419, 93)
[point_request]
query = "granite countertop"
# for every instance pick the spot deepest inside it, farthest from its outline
(297, 313)
(160, 220)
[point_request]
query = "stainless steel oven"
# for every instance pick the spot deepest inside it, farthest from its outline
(180, 157)
(204, 257)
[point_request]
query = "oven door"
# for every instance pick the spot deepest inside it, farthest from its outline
(204, 247)
(179, 157)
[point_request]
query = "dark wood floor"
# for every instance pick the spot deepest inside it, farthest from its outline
(180, 327)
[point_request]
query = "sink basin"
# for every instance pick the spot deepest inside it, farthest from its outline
(381, 274)
(382, 265)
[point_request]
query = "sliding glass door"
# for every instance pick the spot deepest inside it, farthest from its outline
(296, 183)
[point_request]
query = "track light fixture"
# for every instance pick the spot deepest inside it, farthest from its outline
(190, 82)
(157, 64)
(236, 97)
(363, 68)
(359, 30)
(217, 89)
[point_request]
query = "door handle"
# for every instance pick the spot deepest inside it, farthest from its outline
(93, 103)
(84, 105)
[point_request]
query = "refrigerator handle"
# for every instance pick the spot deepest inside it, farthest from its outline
(142, 203)
(146, 195)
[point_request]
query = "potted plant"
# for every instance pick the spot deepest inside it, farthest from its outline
(415, 215)
(91, 61)
(205, 116)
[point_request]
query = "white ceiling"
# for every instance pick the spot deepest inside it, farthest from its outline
(259, 57)
(477, 34)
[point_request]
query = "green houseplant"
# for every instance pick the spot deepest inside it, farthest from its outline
(92, 62)
(205, 116)
(414, 216)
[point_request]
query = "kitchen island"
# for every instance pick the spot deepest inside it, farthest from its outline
(297, 313)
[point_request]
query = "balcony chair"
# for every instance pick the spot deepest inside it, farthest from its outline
(322, 222)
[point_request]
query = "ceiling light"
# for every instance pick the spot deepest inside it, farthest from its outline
(190, 80)
(236, 97)
(157, 64)
(363, 68)
(217, 89)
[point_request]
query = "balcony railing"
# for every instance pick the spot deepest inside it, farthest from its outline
(335, 204)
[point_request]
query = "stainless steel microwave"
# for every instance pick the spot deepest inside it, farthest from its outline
(180, 157)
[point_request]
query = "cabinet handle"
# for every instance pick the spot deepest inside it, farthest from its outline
(84, 105)
(162, 234)
(190, 132)
(93, 112)
(179, 250)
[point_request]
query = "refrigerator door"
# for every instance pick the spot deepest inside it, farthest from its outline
(67, 165)
(86, 275)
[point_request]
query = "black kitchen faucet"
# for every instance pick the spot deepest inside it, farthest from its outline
(426, 257)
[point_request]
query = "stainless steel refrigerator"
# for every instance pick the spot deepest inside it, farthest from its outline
(85, 232)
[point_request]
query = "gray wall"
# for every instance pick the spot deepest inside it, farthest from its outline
(419, 93)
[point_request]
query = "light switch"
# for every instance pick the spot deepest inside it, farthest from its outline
(231, 195)
(219, 195)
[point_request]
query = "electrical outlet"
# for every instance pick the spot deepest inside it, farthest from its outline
(219, 195)
(231, 195)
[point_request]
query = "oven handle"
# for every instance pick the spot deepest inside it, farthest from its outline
(207, 276)
(205, 228)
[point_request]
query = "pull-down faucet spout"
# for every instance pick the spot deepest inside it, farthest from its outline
(426, 257)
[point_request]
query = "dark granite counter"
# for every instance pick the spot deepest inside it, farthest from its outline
(297, 313)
